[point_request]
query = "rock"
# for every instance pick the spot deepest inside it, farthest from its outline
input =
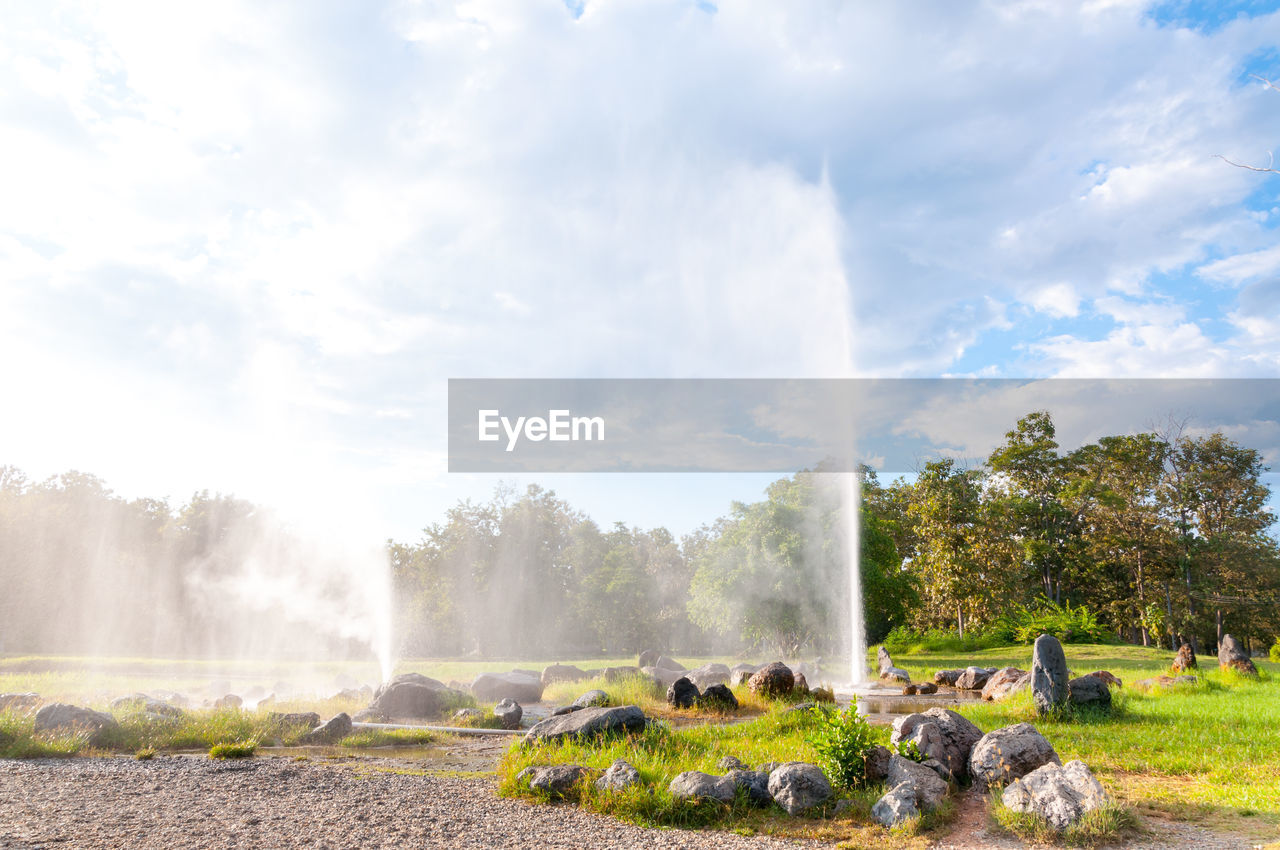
(1009, 753)
(1089, 690)
(1164, 682)
(876, 763)
(800, 706)
(1004, 683)
(1048, 675)
(740, 674)
(467, 716)
(60, 717)
(1185, 659)
(143, 704)
(1059, 794)
(753, 783)
(947, 677)
(682, 694)
(929, 788)
(304, 719)
(228, 701)
(619, 777)
(562, 673)
(955, 737)
(718, 698)
(772, 680)
(926, 688)
(666, 663)
(1108, 677)
(769, 767)
(662, 676)
(648, 658)
(883, 660)
(822, 695)
(895, 674)
(616, 674)
(519, 686)
(801, 685)
(588, 723)
(509, 713)
(696, 785)
(412, 696)
(23, 704)
(566, 709)
(557, 780)
(897, 806)
(1232, 656)
(910, 690)
(798, 786)
(708, 675)
(338, 727)
(972, 679)
(592, 698)
(939, 768)
(732, 763)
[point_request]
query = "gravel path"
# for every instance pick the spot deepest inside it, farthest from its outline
(180, 802)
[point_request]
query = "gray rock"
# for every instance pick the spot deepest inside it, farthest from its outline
(338, 727)
(662, 676)
(1049, 675)
(60, 717)
(619, 777)
(591, 699)
(928, 786)
(754, 784)
(1059, 794)
(616, 674)
(228, 701)
(1233, 656)
(772, 680)
(22, 704)
(897, 806)
(588, 723)
(732, 763)
(1004, 683)
(708, 675)
(770, 766)
(509, 713)
(557, 780)
(798, 786)
(562, 673)
(468, 716)
(666, 663)
(895, 674)
(566, 709)
(682, 694)
(696, 785)
(718, 698)
(1009, 753)
(920, 731)
(876, 764)
(955, 737)
(1089, 690)
(947, 677)
(305, 719)
(519, 686)
(883, 660)
(939, 768)
(926, 688)
(1164, 682)
(972, 679)
(740, 674)
(412, 696)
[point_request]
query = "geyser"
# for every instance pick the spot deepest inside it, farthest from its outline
(852, 504)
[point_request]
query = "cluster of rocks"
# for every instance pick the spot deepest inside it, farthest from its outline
(887, 671)
(684, 693)
(952, 750)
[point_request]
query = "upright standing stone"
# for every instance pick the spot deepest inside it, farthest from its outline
(1049, 688)
(1233, 656)
(1185, 661)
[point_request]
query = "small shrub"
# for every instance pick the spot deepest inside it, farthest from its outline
(233, 750)
(145, 754)
(842, 740)
(1274, 654)
(908, 750)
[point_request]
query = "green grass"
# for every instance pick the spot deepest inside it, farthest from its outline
(233, 750)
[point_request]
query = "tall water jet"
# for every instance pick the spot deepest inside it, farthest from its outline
(853, 557)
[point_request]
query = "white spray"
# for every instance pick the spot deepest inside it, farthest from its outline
(852, 499)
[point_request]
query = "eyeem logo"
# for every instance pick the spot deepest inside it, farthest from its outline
(558, 426)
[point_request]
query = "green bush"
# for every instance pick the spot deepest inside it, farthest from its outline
(1067, 624)
(842, 741)
(235, 750)
(1275, 651)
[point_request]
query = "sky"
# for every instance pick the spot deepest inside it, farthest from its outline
(244, 246)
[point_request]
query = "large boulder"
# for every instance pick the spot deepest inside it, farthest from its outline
(939, 733)
(60, 717)
(588, 723)
(708, 675)
(753, 783)
(973, 678)
(616, 674)
(669, 664)
(305, 719)
(929, 788)
(557, 780)
(1060, 794)
(718, 698)
(799, 786)
(1009, 753)
(509, 713)
(682, 694)
(338, 727)
(619, 777)
(897, 806)
(562, 673)
(876, 764)
(1004, 683)
(772, 680)
(895, 674)
(1107, 676)
(592, 698)
(1232, 656)
(519, 686)
(412, 696)
(696, 785)
(884, 661)
(648, 658)
(947, 677)
(1049, 676)
(1185, 660)
(740, 674)
(1089, 690)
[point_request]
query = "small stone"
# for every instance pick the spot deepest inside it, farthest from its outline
(718, 698)
(897, 806)
(682, 693)
(619, 777)
(696, 785)
(798, 786)
(509, 712)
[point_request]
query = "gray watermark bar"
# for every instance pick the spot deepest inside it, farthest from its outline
(784, 425)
